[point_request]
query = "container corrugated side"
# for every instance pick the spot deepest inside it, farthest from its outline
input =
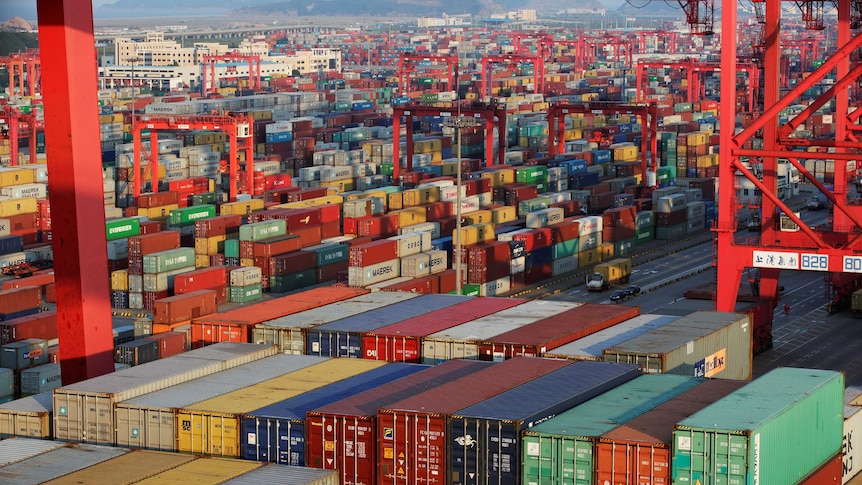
(27, 417)
(54, 464)
(343, 435)
(286, 475)
(288, 332)
(84, 411)
(461, 342)
(212, 427)
(852, 432)
(485, 439)
(150, 421)
(400, 342)
(129, 468)
(343, 338)
(591, 346)
(202, 471)
(276, 433)
(703, 344)
(17, 449)
(564, 446)
(640, 449)
(412, 434)
(778, 429)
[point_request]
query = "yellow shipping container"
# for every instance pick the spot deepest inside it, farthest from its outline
(209, 245)
(106, 119)
(503, 214)
(203, 471)
(212, 427)
(697, 138)
(485, 232)
(469, 236)
(709, 160)
(681, 151)
(120, 280)
(626, 154)
(331, 199)
(395, 201)
(246, 262)
(410, 216)
(16, 176)
(204, 139)
(202, 261)
(479, 217)
(128, 468)
(500, 177)
(241, 207)
(429, 195)
(410, 198)
(340, 186)
(449, 169)
(148, 172)
(589, 257)
(351, 196)
(116, 118)
(589, 96)
(606, 250)
(436, 157)
(573, 134)
(158, 213)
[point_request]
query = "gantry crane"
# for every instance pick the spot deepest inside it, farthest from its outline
(620, 46)
(19, 125)
(236, 125)
(537, 60)
(209, 65)
(670, 44)
(25, 71)
(407, 64)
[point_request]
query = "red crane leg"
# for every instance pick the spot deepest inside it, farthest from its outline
(75, 185)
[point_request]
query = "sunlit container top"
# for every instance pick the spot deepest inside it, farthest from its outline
(286, 475)
(202, 471)
(678, 333)
(17, 449)
(342, 309)
(503, 321)
(35, 404)
(591, 346)
(53, 464)
(129, 468)
(393, 313)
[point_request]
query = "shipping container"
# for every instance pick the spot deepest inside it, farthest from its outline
(284, 475)
(212, 427)
(343, 435)
(485, 439)
(778, 429)
(591, 346)
(639, 450)
(535, 339)
(276, 433)
(183, 307)
(136, 352)
(149, 421)
(852, 459)
(203, 471)
(132, 467)
(343, 338)
(170, 343)
(702, 344)
(28, 417)
(462, 341)
(40, 379)
(402, 341)
(19, 449)
(412, 435)
(83, 411)
(57, 463)
(561, 450)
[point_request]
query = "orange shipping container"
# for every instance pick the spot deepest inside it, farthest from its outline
(185, 306)
(35, 280)
(18, 299)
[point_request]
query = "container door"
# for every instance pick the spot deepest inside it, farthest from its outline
(502, 453)
(465, 447)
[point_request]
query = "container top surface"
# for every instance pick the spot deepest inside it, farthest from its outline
(213, 356)
(393, 313)
(128, 468)
(297, 407)
(223, 382)
(678, 333)
(342, 309)
(503, 321)
(530, 399)
(581, 318)
(592, 345)
(613, 408)
(367, 403)
(202, 471)
(762, 399)
(56, 463)
(852, 401)
(17, 449)
(286, 475)
(286, 305)
(37, 403)
(449, 317)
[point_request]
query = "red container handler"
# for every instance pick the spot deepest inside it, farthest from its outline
(402, 341)
(236, 325)
(343, 435)
(200, 279)
(153, 243)
(19, 299)
(42, 325)
(412, 435)
(218, 225)
(170, 343)
(373, 252)
(536, 338)
(186, 306)
(640, 450)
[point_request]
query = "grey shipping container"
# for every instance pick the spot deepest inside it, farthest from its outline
(149, 421)
(591, 346)
(7, 382)
(137, 352)
(37, 380)
(84, 411)
(701, 344)
(286, 475)
(17, 449)
(27, 417)
(24, 353)
(484, 439)
(779, 428)
(56, 463)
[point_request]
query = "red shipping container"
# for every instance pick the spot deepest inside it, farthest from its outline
(384, 226)
(150, 227)
(535, 274)
(536, 338)
(200, 279)
(182, 185)
(617, 233)
(150, 298)
(35, 280)
(218, 226)
(330, 213)
(276, 181)
(28, 236)
(402, 341)
(293, 218)
(54, 354)
(601, 201)
(830, 473)
(336, 432)
(306, 194)
(170, 343)
(413, 434)
(668, 219)
(488, 262)
(178, 308)
(19, 299)
(283, 264)
(217, 260)
(153, 243)
(619, 216)
(350, 225)
(534, 238)
(233, 325)
(50, 294)
(156, 199)
(448, 280)
(330, 229)
(41, 325)
(273, 246)
(570, 207)
(373, 252)
(640, 450)
(221, 294)
(599, 188)
(425, 284)
(439, 210)
(279, 195)
(308, 236)
(330, 272)
(565, 231)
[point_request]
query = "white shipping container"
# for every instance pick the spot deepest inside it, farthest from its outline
(136, 300)
(470, 204)
(412, 243)
(12, 259)
(178, 174)
(194, 151)
(136, 283)
(40, 173)
(485, 199)
(25, 190)
(565, 265)
(156, 282)
(166, 146)
(332, 174)
(449, 193)
(109, 185)
(591, 346)
(110, 199)
(246, 276)
(852, 431)
(416, 265)
(268, 168)
(39, 379)
(176, 164)
(118, 249)
(496, 287)
(590, 225)
(439, 260)
(671, 203)
(590, 241)
(545, 217)
(368, 275)
(430, 227)
(518, 265)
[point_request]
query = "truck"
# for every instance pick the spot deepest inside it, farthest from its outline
(613, 272)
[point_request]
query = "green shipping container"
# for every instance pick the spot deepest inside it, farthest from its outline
(262, 230)
(560, 450)
(644, 234)
(565, 248)
(204, 198)
(169, 260)
(776, 430)
(188, 215)
(292, 281)
(625, 247)
(666, 233)
(467, 290)
(231, 248)
(245, 294)
(122, 228)
(533, 205)
(387, 169)
(532, 175)
(331, 253)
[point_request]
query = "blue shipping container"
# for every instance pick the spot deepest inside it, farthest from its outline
(276, 433)
(280, 137)
(10, 244)
(540, 256)
(601, 156)
(343, 338)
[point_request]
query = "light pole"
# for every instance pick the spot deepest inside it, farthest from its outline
(458, 123)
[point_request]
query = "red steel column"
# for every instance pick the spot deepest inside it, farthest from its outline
(75, 185)
(13, 120)
(396, 146)
(154, 160)
(841, 223)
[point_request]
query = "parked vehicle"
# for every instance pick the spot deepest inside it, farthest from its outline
(609, 273)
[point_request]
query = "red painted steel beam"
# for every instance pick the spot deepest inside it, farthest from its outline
(75, 187)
